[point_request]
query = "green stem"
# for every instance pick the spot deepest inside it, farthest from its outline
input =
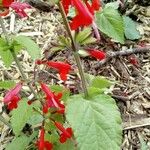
(22, 73)
(74, 49)
(16, 59)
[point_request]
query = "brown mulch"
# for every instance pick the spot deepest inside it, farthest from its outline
(132, 90)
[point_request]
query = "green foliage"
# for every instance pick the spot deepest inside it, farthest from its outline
(5, 53)
(31, 47)
(35, 119)
(21, 142)
(7, 84)
(20, 116)
(98, 81)
(61, 89)
(84, 37)
(130, 29)
(65, 146)
(114, 5)
(110, 22)
(96, 123)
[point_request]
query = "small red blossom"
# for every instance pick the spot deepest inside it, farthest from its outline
(19, 8)
(97, 54)
(6, 3)
(65, 133)
(52, 100)
(14, 103)
(66, 4)
(83, 17)
(42, 144)
(134, 61)
(12, 93)
(63, 68)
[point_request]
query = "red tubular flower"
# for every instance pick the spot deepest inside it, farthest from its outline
(96, 4)
(97, 54)
(19, 8)
(43, 145)
(83, 17)
(66, 4)
(63, 68)
(14, 103)
(6, 3)
(12, 93)
(52, 100)
(65, 133)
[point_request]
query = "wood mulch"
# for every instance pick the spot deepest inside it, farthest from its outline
(132, 89)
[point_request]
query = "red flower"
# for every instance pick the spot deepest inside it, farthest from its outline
(65, 133)
(134, 61)
(95, 6)
(97, 54)
(42, 144)
(14, 103)
(66, 4)
(63, 68)
(19, 8)
(52, 100)
(83, 17)
(6, 3)
(12, 93)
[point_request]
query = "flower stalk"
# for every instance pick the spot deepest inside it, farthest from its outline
(74, 49)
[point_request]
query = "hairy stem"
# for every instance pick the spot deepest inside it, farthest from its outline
(74, 49)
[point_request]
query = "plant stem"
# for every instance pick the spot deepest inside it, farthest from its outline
(22, 73)
(74, 49)
(16, 59)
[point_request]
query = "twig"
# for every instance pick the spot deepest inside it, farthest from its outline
(127, 52)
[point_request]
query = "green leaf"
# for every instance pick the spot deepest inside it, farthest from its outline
(110, 22)
(7, 84)
(114, 5)
(68, 145)
(61, 89)
(88, 40)
(21, 142)
(31, 47)
(96, 123)
(5, 53)
(82, 35)
(20, 116)
(130, 29)
(101, 82)
(35, 119)
(98, 81)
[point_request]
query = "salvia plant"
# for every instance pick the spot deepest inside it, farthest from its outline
(57, 118)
